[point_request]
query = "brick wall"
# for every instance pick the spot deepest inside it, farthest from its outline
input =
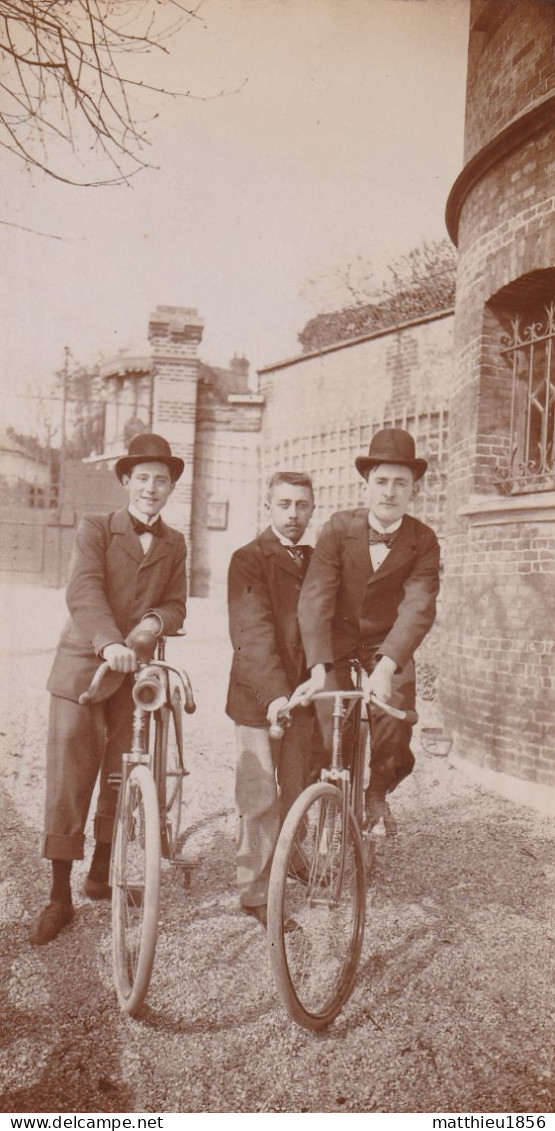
(511, 64)
(227, 490)
(175, 334)
(322, 410)
(497, 687)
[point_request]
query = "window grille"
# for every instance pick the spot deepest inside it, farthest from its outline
(530, 464)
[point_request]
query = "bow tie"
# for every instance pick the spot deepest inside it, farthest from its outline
(143, 527)
(375, 538)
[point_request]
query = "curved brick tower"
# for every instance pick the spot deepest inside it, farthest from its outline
(498, 619)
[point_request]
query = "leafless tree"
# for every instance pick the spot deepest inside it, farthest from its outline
(69, 82)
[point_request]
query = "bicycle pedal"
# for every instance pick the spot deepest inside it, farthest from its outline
(114, 780)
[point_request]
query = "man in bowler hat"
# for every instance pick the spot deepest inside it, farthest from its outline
(370, 592)
(127, 586)
(264, 583)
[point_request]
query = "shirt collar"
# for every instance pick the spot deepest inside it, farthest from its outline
(376, 524)
(282, 538)
(141, 518)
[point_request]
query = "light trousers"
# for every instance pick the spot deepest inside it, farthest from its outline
(270, 775)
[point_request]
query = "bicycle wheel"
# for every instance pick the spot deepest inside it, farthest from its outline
(316, 907)
(135, 889)
(170, 771)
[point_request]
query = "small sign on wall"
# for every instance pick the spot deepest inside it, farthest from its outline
(216, 514)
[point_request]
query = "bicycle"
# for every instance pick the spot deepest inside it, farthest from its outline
(318, 881)
(148, 817)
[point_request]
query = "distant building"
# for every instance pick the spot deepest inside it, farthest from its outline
(24, 471)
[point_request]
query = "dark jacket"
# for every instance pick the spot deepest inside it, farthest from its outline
(112, 585)
(345, 603)
(264, 584)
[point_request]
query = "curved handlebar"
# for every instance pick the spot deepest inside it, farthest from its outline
(408, 716)
(89, 695)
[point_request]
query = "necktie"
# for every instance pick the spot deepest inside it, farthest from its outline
(143, 527)
(297, 552)
(375, 537)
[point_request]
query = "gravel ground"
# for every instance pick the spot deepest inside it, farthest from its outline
(453, 1006)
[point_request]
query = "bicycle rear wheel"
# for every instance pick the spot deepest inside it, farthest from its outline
(135, 889)
(170, 771)
(316, 907)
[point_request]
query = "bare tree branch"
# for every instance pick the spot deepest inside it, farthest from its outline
(67, 81)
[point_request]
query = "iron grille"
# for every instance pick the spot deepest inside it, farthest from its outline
(530, 465)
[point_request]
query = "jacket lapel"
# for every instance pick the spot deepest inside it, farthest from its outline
(122, 527)
(158, 547)
(357, 545)
(272, 547)
(403, 547)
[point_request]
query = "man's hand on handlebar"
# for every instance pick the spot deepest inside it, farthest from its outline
(303, 694)
(380, 681)
(120, 658)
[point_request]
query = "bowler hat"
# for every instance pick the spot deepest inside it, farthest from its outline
(149, 448)
(391, 445)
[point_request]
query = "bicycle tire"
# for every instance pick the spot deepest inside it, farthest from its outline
(170, 771)
(135, 889)
(315, 931)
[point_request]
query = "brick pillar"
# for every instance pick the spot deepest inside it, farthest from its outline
(175, 333)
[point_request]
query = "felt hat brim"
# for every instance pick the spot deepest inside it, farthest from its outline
(363, 464)
(125, 465)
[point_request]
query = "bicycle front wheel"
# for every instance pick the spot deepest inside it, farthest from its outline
(316, 907)
(135, 889)
(170, 771)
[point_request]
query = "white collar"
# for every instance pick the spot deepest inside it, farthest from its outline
(282, 538)
(141, 518)
(376, 524)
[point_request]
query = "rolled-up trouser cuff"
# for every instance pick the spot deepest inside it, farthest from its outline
(58, 847)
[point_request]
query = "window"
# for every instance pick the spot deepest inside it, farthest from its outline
(528, 351)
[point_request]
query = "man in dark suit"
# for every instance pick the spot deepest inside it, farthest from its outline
(370, 592)
(264, 584)
(127, 583)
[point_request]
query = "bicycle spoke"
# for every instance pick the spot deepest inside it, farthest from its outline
(322, 891)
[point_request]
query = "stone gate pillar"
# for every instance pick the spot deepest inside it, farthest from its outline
(175, 333)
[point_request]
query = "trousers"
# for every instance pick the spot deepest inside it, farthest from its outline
(392, 758)
(81, 742)
(270, 775)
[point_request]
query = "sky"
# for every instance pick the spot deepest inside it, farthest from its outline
(337, 136)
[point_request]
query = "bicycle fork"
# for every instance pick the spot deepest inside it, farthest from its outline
(328, 826)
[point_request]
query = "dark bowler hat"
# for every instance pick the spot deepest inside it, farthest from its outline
(149, 448)
(391, 445)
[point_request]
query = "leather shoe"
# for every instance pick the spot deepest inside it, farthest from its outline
(259, 912)
(52, 919)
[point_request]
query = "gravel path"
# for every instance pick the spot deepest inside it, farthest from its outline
(453, 1006)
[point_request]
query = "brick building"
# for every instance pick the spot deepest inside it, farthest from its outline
(498, 665)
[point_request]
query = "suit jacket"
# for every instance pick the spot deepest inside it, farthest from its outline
(264, 584)
(112, 584)
(344, 602)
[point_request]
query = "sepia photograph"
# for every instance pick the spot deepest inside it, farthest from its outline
(277, 561)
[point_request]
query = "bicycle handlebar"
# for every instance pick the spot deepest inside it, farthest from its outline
(88, 696)
(408, 716)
